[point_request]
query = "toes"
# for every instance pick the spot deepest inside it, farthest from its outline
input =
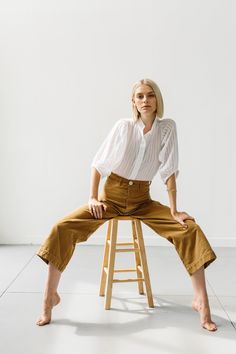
(213, 327)
(210, 326)
(42, 323)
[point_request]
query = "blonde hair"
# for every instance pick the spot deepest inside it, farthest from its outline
(159, 99)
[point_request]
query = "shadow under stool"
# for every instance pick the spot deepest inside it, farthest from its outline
(110, 249)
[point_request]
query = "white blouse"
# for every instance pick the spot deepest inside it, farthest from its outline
(130, 153)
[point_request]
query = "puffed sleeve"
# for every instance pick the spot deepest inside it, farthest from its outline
(111, 152)
(168, 155)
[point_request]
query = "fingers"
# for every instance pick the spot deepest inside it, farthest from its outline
(181, 221)
(97, 210)
(105, 207)
(184, 225)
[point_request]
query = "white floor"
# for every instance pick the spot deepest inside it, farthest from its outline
(82, 325)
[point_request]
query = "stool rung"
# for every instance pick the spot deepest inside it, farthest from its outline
(127, 250)
(125, 270)
(127, 280)
(124, 243)
(129, 270)
(121, 243)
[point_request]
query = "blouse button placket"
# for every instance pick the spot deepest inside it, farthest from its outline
(139, 158)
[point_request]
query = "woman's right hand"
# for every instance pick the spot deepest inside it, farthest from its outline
(96, 208)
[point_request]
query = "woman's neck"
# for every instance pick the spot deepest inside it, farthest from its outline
(148, 119)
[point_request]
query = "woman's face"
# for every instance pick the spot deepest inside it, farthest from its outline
(145, 100)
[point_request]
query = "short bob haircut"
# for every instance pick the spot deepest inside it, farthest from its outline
(159, 99)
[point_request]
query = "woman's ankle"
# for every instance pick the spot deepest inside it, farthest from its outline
(49, 295)
(201, 299)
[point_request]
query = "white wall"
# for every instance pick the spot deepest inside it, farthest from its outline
(67, 68)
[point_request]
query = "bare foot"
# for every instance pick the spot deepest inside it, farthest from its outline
(205, 316)
(45, 318)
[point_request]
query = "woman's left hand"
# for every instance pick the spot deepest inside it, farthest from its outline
(180, 216)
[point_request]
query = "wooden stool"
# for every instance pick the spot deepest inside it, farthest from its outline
(110, 250)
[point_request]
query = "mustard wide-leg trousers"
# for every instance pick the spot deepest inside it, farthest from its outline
(127, 197)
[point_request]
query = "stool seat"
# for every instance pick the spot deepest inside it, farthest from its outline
(110, 250)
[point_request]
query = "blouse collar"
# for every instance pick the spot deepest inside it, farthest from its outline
(141, 126)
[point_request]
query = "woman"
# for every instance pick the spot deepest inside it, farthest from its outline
(132, 153)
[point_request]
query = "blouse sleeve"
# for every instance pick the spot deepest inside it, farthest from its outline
(168, 155)
(111, 151)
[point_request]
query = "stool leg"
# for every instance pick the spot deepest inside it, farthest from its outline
(144, 262)
(111, 263)
(105, 260)
(137, 259)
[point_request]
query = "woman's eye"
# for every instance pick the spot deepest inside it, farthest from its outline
(151, 95)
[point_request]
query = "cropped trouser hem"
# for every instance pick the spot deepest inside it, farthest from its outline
(205, 260)
(47, 257)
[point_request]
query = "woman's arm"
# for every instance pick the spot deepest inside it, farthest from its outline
(94, 183)
(169, 169)
(179, 216)
(96, 208)
(171, 188)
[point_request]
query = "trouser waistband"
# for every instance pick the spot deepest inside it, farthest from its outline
(128, 181)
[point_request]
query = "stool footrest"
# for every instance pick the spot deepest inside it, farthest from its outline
(127, 250)
(121, 243)
(127, 280)
(124, 243)
(124, 270)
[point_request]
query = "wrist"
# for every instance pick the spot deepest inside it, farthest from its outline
(173, 211)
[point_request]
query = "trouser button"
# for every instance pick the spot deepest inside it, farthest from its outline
(131, 182)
